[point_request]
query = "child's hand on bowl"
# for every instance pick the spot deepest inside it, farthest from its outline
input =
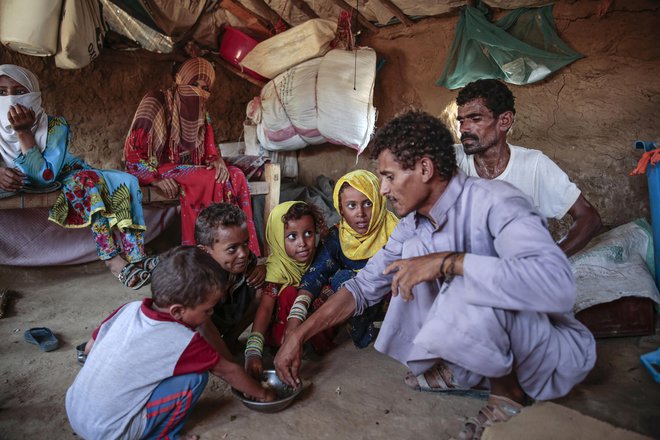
(269, 396)
(254, 367)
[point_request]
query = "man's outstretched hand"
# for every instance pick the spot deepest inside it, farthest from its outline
(287, 361)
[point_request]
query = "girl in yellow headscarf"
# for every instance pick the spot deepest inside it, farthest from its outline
(364, 228)
(291, 234)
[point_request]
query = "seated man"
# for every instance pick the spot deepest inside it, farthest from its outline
(485, 114)
(477, 281)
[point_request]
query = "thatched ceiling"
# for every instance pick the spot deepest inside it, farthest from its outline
(173, 22)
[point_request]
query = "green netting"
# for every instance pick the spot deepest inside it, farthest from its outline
(521, 48)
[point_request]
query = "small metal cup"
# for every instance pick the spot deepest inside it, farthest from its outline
(80, 353)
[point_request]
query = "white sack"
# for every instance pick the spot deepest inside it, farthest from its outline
(285, 112)
(81, 34)
(346, 115)
(290, 48)
(30, 26)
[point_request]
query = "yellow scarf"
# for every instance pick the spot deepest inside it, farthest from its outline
(280, 268)
(362, 246)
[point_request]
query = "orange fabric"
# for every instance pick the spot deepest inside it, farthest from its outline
(651, 157)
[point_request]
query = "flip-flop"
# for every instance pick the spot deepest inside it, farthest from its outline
(42, 337)
(440, 379)
(130, 272)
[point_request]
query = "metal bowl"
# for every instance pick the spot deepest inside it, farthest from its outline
(285, 394)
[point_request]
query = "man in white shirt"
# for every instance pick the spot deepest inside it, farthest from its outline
(485, 114)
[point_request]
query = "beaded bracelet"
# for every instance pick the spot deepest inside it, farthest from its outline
(299, 308)
(255, 345)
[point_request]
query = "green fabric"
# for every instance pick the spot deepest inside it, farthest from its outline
(521, 48)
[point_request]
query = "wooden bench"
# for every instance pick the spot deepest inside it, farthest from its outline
(269, 186)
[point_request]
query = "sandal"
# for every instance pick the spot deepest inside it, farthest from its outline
(498, 409)
(128, 275)
(42, 337)
(440, 379)
(150, 263)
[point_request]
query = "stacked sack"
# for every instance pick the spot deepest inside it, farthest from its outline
(325, 99)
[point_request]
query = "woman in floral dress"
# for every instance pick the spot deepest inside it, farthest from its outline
(34, 148)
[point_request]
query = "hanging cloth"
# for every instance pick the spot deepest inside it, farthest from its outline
(521, 48)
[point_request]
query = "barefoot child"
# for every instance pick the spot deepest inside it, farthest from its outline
(221, 230)
(148, 364)
(291, 236)
(364, 228)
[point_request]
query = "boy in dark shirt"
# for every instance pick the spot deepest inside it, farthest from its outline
(221, 231)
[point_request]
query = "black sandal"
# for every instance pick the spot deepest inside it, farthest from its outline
(150, 263)
(130, 272)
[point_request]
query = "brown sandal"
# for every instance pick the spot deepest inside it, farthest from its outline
(498, 409)
(440, 379)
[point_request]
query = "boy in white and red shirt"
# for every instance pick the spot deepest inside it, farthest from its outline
(148, 363)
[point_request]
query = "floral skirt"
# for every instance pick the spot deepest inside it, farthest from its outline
(113, 194)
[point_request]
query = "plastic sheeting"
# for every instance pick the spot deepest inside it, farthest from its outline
(124, 24)
(616, 264)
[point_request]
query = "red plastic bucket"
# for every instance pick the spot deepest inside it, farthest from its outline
(235, 45)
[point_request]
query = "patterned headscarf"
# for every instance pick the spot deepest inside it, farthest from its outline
(180, 121)
(280, 268)
(10, 146)
(362, 246)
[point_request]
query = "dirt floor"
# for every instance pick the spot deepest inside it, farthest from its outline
(349, 394)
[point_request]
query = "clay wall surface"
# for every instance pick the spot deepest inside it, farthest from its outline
(585, 117)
